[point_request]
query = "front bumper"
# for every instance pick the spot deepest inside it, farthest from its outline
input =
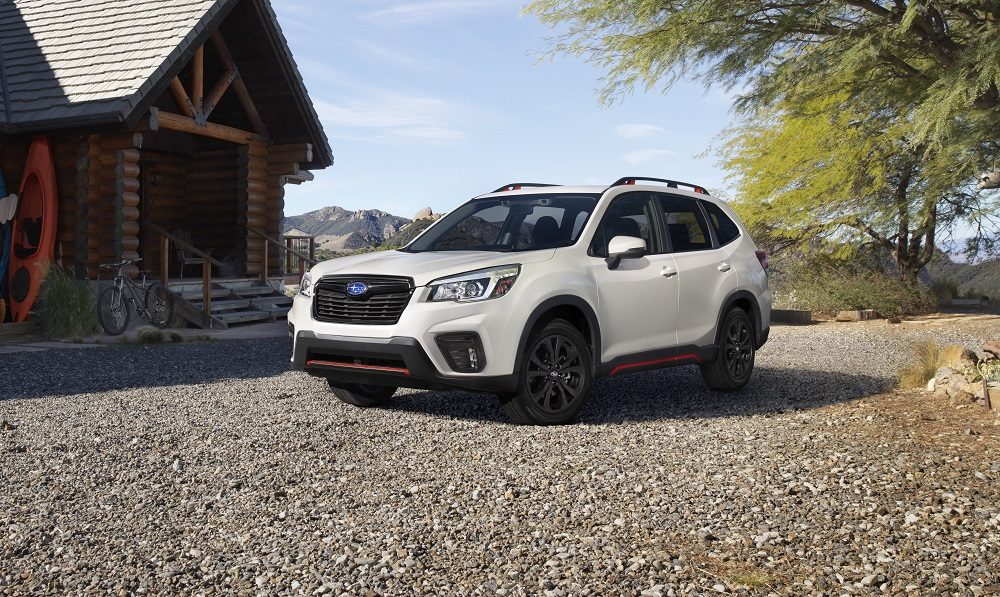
(398, 361)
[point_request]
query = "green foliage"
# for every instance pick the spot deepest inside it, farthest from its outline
(821, 283)
(927, 359)
(65, 307)
(945, 290)
(864, 122)
(148, 334)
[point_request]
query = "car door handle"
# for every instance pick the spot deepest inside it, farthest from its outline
(668, 272)
(725, 266)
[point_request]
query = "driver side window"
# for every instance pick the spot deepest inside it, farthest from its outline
(629, 215)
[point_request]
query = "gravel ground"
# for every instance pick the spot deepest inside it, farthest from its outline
(208, 468)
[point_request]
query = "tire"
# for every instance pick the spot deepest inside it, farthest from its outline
(554, 379)
(731, 370)
(113, 311)
(361, 395)
(159, 305)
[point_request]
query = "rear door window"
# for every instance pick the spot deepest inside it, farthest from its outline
(632, 214)
(686, 223)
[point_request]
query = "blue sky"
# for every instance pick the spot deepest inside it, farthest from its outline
(430, 102)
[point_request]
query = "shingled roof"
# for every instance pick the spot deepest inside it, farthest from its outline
(66, 63)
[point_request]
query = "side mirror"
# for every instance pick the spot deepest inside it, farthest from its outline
(624, 247)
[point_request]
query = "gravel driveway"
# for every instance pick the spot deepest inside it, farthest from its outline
(207, 468)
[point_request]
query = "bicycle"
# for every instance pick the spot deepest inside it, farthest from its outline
(113, 310)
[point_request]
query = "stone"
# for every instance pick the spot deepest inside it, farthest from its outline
(931, 384)
(423, 214)
(957, 357)
(992, 347)
(861, 315)
(962, 397)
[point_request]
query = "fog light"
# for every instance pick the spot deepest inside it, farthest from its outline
(463, 351)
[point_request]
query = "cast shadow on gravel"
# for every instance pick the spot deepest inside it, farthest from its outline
(65, 372)
(676, 393)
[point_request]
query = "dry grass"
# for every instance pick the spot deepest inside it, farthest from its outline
(927, 359)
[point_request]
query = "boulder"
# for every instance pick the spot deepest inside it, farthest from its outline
(863, 315)
(423, 214)
(992, 347)
(963, 397)
(957, 357)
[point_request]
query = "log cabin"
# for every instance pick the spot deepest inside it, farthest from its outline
(175, 125)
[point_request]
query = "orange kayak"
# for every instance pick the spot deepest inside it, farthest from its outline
(34, 234)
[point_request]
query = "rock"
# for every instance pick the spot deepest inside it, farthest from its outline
(992, 347)
(962, 397)
(423, 214)
(957, 357)
(931, 384)
(7, 426)
(862, 315)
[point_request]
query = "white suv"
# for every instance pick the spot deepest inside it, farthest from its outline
(532, 291)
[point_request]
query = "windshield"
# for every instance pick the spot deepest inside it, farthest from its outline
(524, 223)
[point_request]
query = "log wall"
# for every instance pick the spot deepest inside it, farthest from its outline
(283, 160)
(126, 205)
(253, 199)
(163, 201)
(212, 211)
(107, 228)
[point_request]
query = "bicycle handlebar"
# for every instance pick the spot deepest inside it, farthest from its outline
(120, 263)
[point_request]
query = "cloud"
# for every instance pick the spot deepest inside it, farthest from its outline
(386, 116)
(638, 131)
(413, 13)
(641, 156)
(405, 59)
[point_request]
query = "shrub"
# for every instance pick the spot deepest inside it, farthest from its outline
(829, 285)
(945, 290)
(65, 307)
(927, 359)
(147, 334)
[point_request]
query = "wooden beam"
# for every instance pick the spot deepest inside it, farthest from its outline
(198, 83)
(175, 122)
(180, 94)
(217, 92)
(238, 86)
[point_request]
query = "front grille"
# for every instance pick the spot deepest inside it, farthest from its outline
(382, 304)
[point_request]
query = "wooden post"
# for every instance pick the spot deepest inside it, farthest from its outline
(288, 255)
(206, 290)
(182, 97)
(164, 260)
(302, 267)
(263, 270)
(198, 85)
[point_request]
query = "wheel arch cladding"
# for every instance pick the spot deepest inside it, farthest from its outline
(745, 300)
(573, 309)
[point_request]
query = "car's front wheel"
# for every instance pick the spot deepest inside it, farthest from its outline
(731, 370)
(555, 377)
(361, 395)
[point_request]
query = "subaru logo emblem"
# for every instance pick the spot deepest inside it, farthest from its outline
(357, 288)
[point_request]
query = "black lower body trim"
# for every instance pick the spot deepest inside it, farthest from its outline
(398, 361)
(657, 359)
(762, 337)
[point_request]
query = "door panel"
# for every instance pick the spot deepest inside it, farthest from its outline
(706, 274)
(637, 302)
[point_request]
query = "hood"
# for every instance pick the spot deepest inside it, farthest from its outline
(424, 267)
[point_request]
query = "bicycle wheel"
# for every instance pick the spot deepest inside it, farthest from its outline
(112, 310)
(159, 305)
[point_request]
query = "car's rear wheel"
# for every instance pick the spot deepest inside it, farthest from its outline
(731, 370)
(361, 395)
(555, 377)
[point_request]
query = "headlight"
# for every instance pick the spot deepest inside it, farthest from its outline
(306, 285)
(475, 286)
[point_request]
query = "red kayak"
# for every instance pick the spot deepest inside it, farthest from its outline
(34, 237)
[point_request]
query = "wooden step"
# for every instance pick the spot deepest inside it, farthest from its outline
(253, 291)
(276, 299)
(198, 295)
(231, 317)
(229, 305)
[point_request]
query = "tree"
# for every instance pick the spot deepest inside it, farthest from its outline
(900, 99)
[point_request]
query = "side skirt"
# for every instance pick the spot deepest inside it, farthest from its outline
(658, 359)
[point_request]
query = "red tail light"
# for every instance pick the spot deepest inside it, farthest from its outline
(762, 258)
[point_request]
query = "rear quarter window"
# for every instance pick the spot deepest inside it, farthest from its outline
(726, 229)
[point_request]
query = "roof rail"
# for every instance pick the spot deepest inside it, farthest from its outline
(514, 186)
(670, 183)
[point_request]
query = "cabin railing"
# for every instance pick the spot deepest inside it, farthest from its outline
(303, 259)
(207, 261)
(290, 240)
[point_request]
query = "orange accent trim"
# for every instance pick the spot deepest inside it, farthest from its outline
(683, 357)
(315, 363)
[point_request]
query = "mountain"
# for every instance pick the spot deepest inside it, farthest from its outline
(338, 229)
(408, 233)
(981, 278)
